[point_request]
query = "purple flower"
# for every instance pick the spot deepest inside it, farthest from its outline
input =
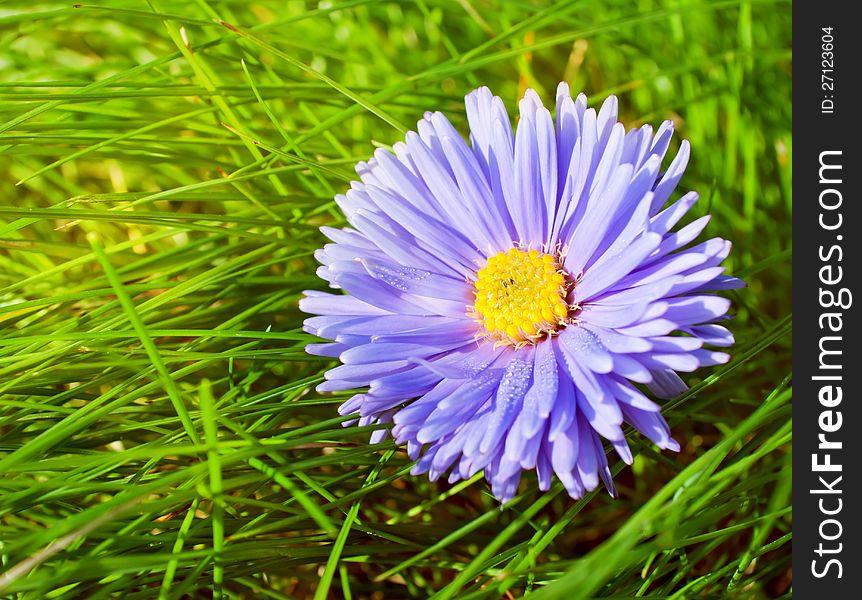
(505, 298)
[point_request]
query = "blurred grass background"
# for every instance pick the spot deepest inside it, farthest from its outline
(162, 178)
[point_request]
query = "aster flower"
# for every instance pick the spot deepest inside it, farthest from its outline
(506, 302)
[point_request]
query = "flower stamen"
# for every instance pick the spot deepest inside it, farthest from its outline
(521, 297)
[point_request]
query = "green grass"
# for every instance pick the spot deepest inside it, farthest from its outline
(164, 167)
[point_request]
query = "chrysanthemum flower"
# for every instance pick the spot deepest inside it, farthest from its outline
(505, 300)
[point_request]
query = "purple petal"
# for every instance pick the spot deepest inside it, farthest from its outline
(510, 395)
(417, 281)
(581, 345)
(666, 384)
(596, 281)
(671, 177)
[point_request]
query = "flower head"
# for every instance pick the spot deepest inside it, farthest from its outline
(506, 299)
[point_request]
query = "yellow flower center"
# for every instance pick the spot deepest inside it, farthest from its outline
(521, 296)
